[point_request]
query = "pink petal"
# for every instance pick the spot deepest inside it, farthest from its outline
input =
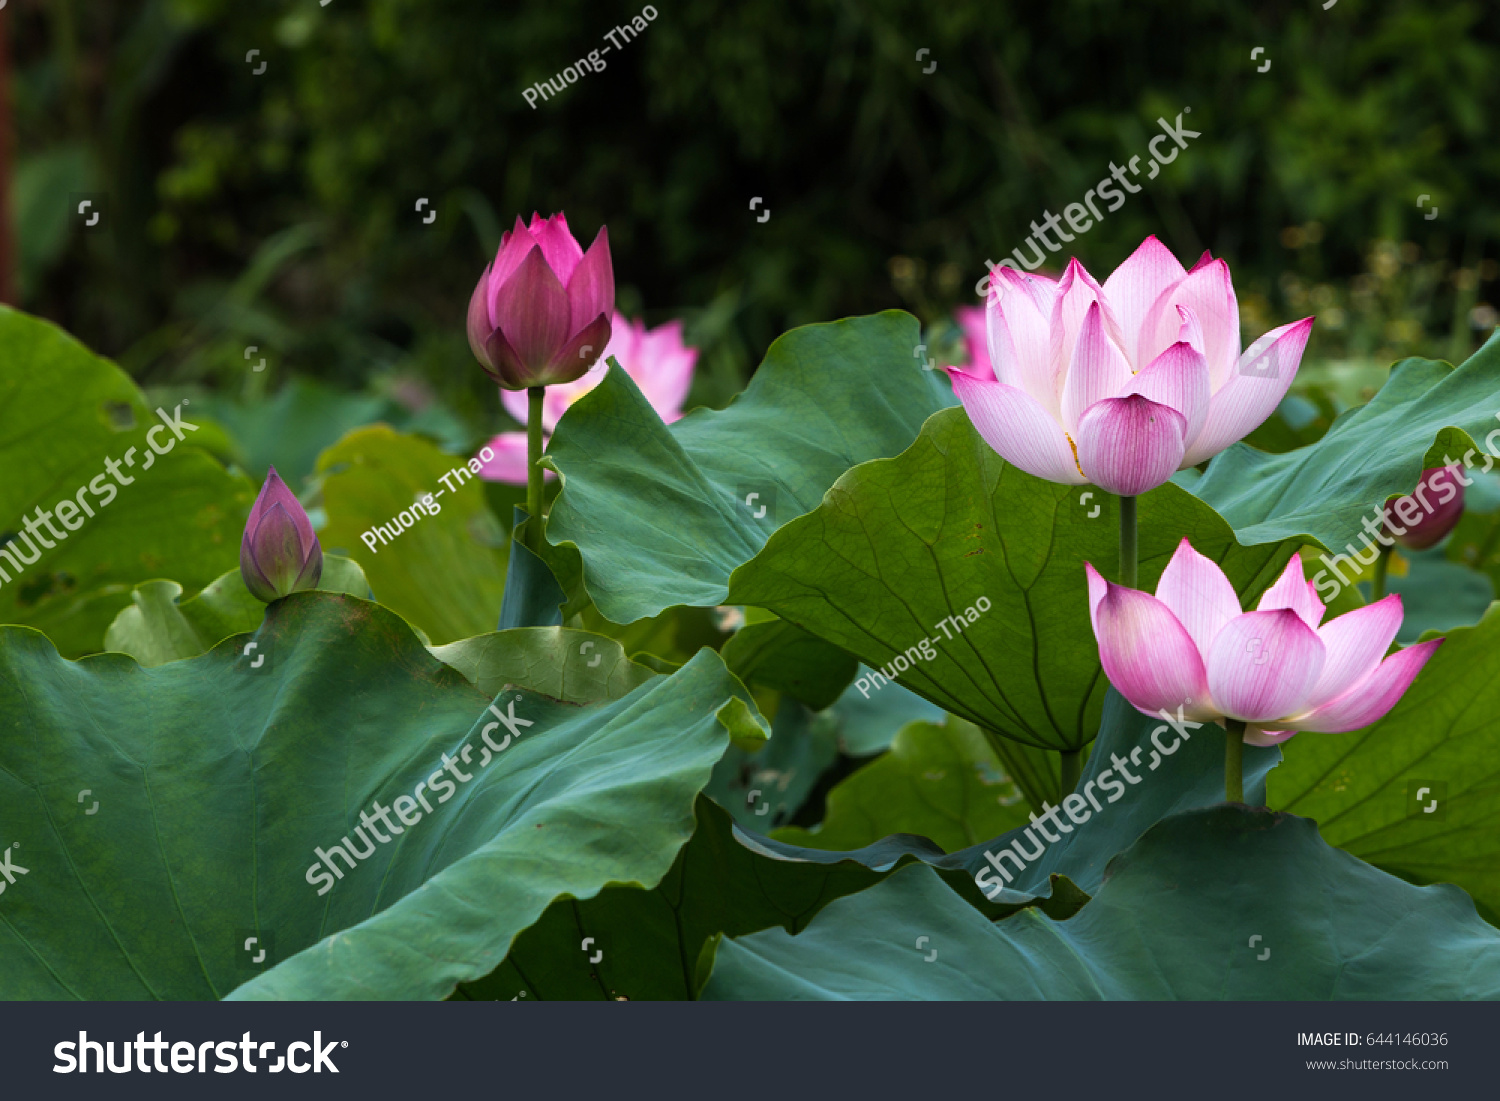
(1146, 653)
(1191, 331)
(1076, 292)
(578, 354)
(558, 246)
(531, 309)
(478, 323)
(1209, 293)
(1263, 665)
(1293, 591)
(1097, 588)
(1257, 735)
(1016, 426)
(1242, 403)
(591, 288)
(1129, 445)
(1355, 643)
(1136, 284)
(1178, 379)
(1375, 695)
(1198, 594)
(514, 245)
(1203, 261)
(1017, 328)
(1098, 369)
(509, 463)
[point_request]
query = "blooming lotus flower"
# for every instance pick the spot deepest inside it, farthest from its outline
(1275, 669)
(1417, 522)
(540, 314)
(279, 554)
(656, 360)
(1123, 384)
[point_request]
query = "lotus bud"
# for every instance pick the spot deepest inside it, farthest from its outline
(279, 554)
(540, 315)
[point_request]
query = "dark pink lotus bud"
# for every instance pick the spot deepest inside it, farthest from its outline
(1431, 512)
(279, 554)
(540, 315)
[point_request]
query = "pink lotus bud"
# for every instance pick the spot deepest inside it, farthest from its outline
(279, 554)
(1278, 669)
(1123, 384)
(1419, 521)
(540, 314)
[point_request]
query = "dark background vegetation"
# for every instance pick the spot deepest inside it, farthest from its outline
(278, 210)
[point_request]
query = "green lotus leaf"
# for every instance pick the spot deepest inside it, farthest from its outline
(662, 515)
(1220, 904)
(1325, 492)
(65, 413)
(166, 816)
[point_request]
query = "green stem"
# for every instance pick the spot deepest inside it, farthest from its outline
(1382, 563)
(534, 472)
(1127, 542)
(1072, 768)
(1234, 760)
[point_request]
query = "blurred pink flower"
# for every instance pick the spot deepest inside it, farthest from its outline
(1423, 523)
(1275, 669)
(971, 321)
(1123, 384)
(657, 361)
(539, 315)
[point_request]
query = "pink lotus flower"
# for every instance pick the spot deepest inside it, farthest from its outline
(279, 553)
(1275, 668)
(1121, 385)
(540, 314)
(657, 361)
(1417, 522)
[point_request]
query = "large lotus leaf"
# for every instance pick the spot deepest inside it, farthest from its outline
(633, 944)
(64, 412)
(1417, 793)
(159, 626)
(662, 515)
(773, 653)
(1426, 410)
(1219, 904)
(446, 573)
(941, 781)
(165, 816)
(901, 548)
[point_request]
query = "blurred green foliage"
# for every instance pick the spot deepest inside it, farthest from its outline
(278, 210)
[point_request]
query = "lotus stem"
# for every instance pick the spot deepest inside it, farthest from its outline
(1072, 768)
(1234, 760)
(1382, 563)
(534, 472)
(1127, 542)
